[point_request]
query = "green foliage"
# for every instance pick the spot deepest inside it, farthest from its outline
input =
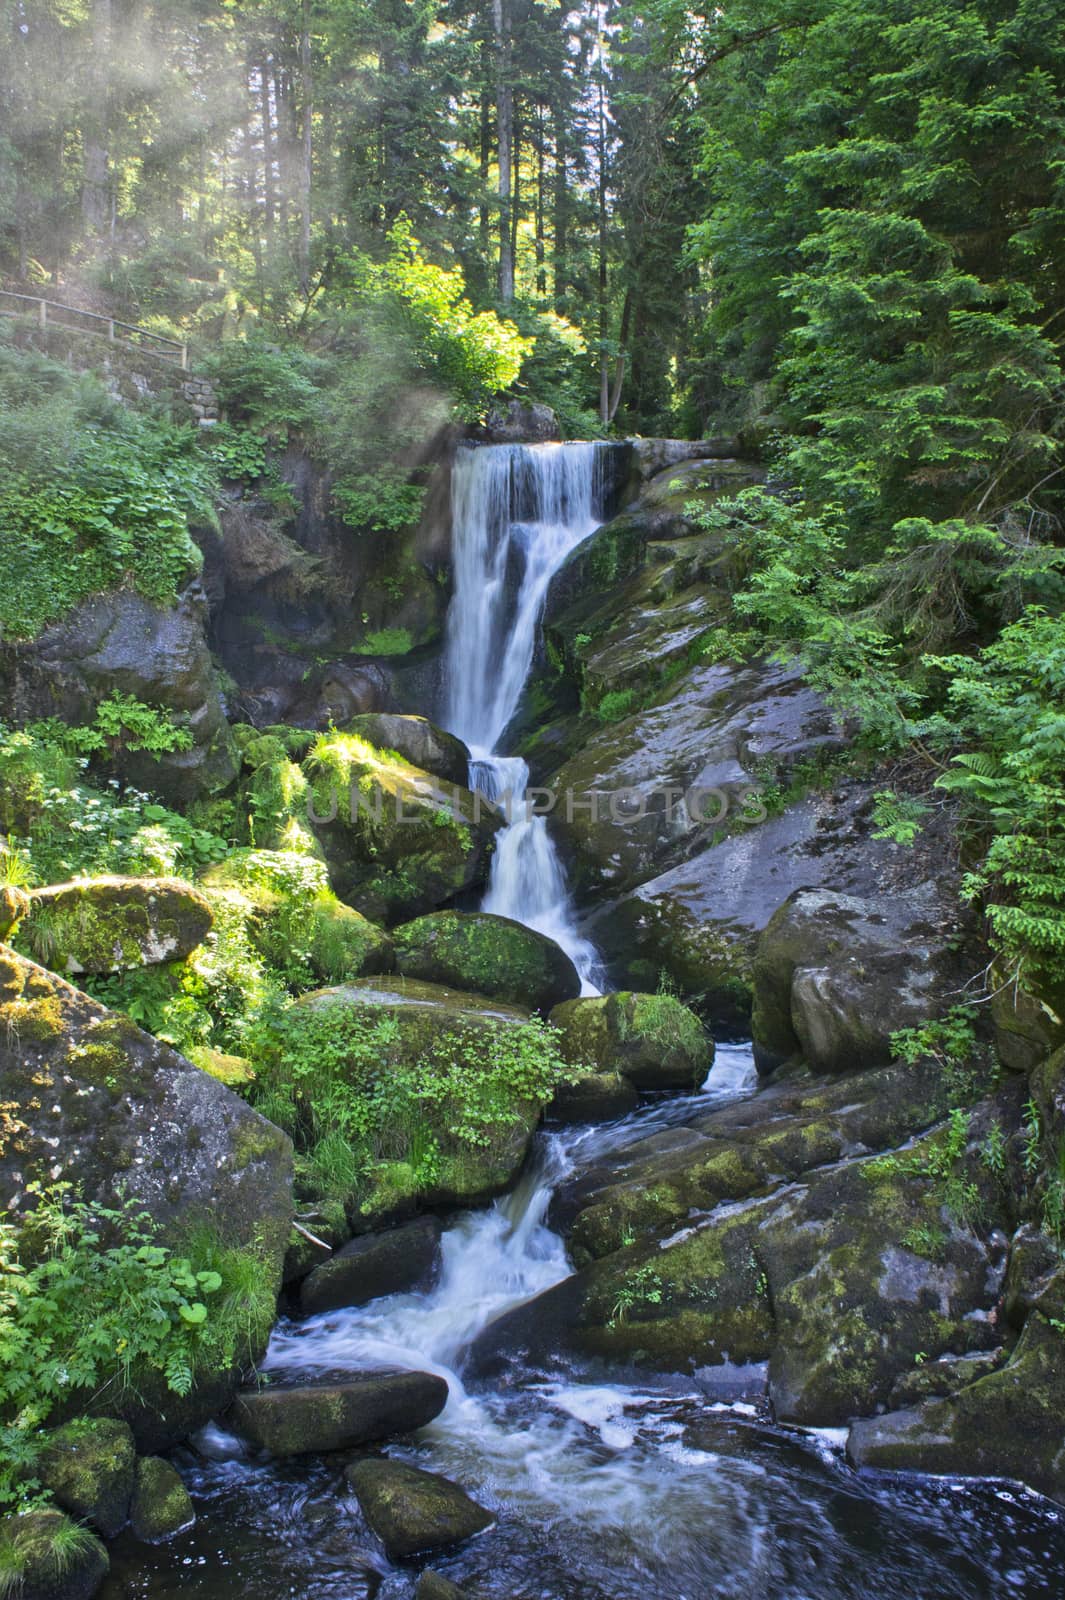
(266, 389)
(897, 817)
(91, 495)
(615, 705)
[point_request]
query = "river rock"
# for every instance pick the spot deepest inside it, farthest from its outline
(434, 1586)
(88, 1468)
(161, 1504)
(521, 423)
(95, 1102)
(488, 954)
(650, 1039)
(397, 1261)
(115, 924)
(418, 741)
(316, 1418)
(45, 1556)
(835, 976)
(399, 841)
(593, 1097)
(120, 641)
(1007, 1424)
(412, 1511)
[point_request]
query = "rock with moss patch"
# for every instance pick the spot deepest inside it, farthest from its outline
(45, 1556)
(489, 955)
(161, 1506)
(14, 906)
(115, 924)
(434, 1586)
(314, 1418)
(1007, 1424)
(835, 976)
(88, 1468)
(418, 741)
(397, 1261)
(412, 1511)
(93, 1101)
(399, 842)
(651, 1039)
(593, 1097)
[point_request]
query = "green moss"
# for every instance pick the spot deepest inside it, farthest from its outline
(43, 1551)
(386, 642)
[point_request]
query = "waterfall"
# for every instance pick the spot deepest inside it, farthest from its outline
(515, 509)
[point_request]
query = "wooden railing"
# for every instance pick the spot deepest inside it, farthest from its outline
(53, 314)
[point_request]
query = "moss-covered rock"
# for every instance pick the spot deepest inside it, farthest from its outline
(593, 1097)
(14, 905)
(1007, 1424)
(88, 1468)
(113, 924)
(93, 1101)
(398, 841)
(315, 1418)
(651, 1039)
(489, 955)
(396, 1261)
(161, 1505)
(434, 1586)
(45, 1556)
(412, 1511)
(418, 741)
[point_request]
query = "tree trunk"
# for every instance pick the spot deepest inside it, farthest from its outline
(96, 164)
(515, 204)
(504, 145)
(541, 273)
(266, 110)
(619, 364)
(306, 148)
(559, 251)
(604, 308)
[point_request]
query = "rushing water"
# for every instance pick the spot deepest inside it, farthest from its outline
(601, 1490)
(517, 513)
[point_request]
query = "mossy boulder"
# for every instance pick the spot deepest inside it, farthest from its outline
(14, 906)
(1007, 1424)
(836, 975)
(593, 1097)
(45, 1556)
(92, 1101)
(161, 1505)
(489, 955)
(315, 1418)
(395, 1261)
(88, 1467)
(434, 1586)
(651, 1039)
(418, 741)
(293, 915)
(399, 841)
(413, 1511)
(114, 924)
(275, 792)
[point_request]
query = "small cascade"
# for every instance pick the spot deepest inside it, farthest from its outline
(515, 508)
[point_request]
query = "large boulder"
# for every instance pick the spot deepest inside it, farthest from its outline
(1005, 1425)
(315, 1418)
(396, 1261)
(412, 1511)
(398, 841)
(651, 1039)
(93, 1101)
(115, 924)
(120, 641)
(45, 1556)
(488, 954)
(418, 741)
(835, 976)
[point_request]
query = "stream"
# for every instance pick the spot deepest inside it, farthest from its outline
(603, 1489)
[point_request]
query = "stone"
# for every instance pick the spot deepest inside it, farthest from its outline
(651, 1039)
(521, 424)
(88, 1468)
(45, 1556)
(316, 1418)
(651, 457)
(593, 1097)
(116, 924)
(14, 906)
(412, 1511)
(1007, 1424)
(487, 954)
(161, 1504)
(121, 641)
(836, 975)
(94, 1102)
(434, 1586)
(418, 741)
(397, 1261)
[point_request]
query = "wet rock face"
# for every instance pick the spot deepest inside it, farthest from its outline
(649, 1039)
(316, 1418)
(119, 641)
(521, 424)
(115, 924)
(489, 955)
(413, 1511)
(418, 741)
(397, 1261)
(835, 976)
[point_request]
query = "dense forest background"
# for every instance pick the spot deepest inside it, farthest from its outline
(832, 229)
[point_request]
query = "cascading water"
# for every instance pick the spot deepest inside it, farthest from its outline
(512, 505)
